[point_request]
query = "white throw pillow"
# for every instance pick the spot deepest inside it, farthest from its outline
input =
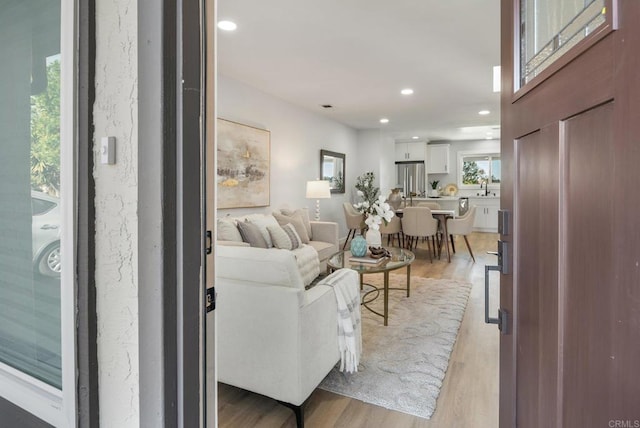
(228, 231)
(280, 238)
(263, 222)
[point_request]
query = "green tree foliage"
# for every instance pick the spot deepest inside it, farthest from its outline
(45, 134)
(470, 173)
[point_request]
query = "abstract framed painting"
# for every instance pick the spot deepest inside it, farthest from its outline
(243, 167)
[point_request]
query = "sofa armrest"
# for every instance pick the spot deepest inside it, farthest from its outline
(325, 231)
(276, 341)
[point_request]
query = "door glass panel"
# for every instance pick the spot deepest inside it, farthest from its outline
(549, 28)
(30, 223)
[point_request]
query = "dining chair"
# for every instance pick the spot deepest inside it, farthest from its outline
(462, 226)
(433, 206)
(355, 222)
(393, 230)
(417, 222)
(430, 205)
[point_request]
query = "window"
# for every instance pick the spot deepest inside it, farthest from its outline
(478, 169)
(550, 28)
(37, 350)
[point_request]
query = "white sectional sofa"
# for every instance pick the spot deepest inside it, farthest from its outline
(322, 236)
(274, 336)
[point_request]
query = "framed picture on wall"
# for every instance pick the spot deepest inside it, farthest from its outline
(243, 168)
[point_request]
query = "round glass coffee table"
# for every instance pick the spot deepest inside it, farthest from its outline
(400, 258)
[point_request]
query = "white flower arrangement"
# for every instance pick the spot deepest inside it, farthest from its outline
(373, 205)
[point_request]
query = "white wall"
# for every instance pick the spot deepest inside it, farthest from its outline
(486, 146)
(297, 136)
(115, 114)
(376, 152)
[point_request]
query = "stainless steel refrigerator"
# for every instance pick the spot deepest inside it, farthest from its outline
(410, 176)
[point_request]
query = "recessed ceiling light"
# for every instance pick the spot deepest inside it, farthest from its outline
(484, 112)
(227, 25)
(406, 91)
(415, 137)
(384, 120)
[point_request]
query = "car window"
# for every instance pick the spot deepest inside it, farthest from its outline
(40, 206)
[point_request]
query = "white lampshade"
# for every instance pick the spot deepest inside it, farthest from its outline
(318, 189)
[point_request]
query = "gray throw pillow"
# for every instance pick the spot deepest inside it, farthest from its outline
(303, 214)
(290, 230)
(297, 222)
(251, 233)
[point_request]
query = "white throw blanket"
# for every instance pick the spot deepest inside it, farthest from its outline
(346, 286)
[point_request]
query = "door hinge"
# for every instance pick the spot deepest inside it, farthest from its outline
(211, 299)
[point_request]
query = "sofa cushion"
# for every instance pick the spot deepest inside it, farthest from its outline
(251, 234)
(324, 249)
(293, 236)
(297, 221)
(227, 230)
(308, 263)
(279, 237)
(303, 213)
(263, 222)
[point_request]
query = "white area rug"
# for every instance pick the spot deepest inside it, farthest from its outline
(403, 364)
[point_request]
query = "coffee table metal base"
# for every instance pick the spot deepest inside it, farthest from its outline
(366, 300)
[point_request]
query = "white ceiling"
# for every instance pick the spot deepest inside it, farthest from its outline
(358, 54)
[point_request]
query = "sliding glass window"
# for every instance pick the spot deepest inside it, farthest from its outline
(33, 77)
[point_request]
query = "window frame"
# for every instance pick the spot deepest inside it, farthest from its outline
(58, 406)
(475, 153)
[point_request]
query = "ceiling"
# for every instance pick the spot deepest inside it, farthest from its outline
(357, 55)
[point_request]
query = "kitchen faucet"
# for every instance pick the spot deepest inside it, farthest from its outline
(486, 187)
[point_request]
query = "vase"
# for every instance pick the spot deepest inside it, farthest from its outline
(394, 199)
(434, 193)
(358, 246)
(374, 239)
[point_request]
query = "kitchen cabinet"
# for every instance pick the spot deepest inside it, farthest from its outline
(438, 159)
(410, 152)
(486, 214)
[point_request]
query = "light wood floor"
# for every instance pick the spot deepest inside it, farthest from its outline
(469, 395)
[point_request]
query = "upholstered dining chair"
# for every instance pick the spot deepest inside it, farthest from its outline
(393, 230)
(430, 205)
(462, 226)
(417, 222)
(355, 222)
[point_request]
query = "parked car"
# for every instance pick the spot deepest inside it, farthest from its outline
(45, 234)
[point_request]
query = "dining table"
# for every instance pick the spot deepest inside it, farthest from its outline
(442, 216)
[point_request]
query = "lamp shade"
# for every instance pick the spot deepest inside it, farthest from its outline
(318, 189)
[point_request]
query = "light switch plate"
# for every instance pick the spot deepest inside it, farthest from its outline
(108, 150)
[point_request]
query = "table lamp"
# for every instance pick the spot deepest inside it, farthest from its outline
(318, 189)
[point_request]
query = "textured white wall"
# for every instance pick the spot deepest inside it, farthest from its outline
(115, 114)
(297, 136)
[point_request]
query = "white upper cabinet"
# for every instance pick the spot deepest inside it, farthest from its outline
(410, 151)
(438, 159)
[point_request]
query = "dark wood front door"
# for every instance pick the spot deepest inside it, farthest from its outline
(571, 182)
